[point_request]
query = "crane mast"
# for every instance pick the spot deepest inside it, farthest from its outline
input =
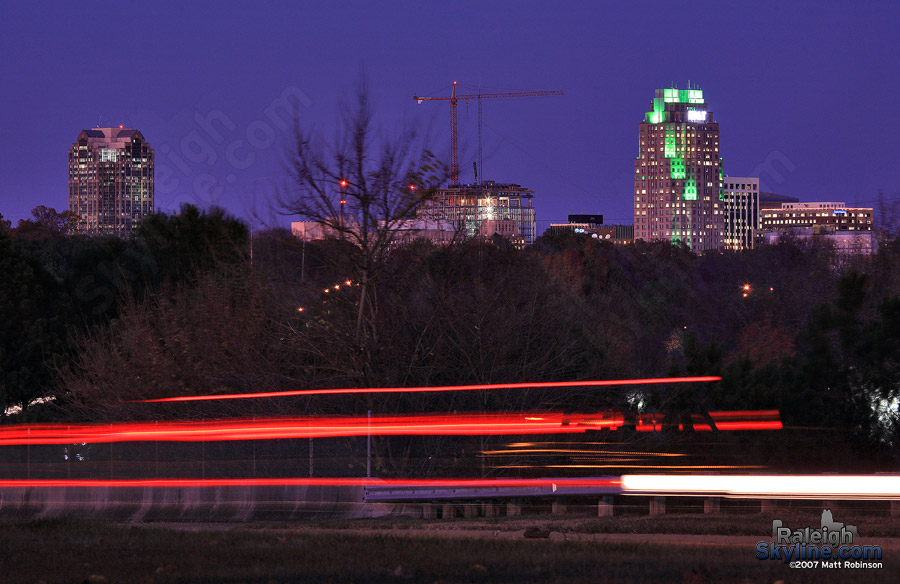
(454, 100)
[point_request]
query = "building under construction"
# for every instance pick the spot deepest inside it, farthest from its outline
(484, 210)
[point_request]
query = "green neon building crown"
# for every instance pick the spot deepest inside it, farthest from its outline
(675, 96)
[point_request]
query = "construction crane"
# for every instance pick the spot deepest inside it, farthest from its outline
(453, 99)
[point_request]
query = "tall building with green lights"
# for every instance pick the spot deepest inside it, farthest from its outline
(678, 174)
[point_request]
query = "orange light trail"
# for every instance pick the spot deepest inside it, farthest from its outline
(488, 386)
(575, 451)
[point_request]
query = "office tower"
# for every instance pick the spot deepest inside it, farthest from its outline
(741, 208)
(110, 180)
(678, 172)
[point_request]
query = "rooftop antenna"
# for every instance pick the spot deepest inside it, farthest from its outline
(100, 122)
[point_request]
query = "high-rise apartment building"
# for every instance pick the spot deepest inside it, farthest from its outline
(110, 180)
(741, 209)
(678, 192)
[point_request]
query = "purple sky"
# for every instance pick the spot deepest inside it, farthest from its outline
(807, 94)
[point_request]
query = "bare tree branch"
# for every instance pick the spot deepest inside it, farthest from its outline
(365, 190)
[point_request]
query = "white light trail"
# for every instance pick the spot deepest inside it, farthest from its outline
(767, 486)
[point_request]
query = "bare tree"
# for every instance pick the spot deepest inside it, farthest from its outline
(364, 188)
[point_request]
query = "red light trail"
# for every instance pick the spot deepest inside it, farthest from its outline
(323, 427)
(746, 420)
(293, 427)
(364, 390)
(333, 481)
(858, 487)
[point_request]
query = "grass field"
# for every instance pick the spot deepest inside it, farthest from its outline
(73, 551)
(757, 524)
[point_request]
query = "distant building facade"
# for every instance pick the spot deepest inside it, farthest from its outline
(846, 243)
(592, 226)
(849, 229)
(312, 230)
(111, 180)
(621, 233)
(485, 209)
(774, 200)
(438, 233)
(678, 193)
(741, 211)
(589, 219)
(835, 215)
(404, 231)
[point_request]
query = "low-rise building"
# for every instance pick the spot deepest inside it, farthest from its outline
(846, 243)
(595, 229)
(834, 214)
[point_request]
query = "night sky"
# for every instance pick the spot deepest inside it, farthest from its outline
(807, 94)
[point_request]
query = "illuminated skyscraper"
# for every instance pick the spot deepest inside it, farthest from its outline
(110, 180)
(678, 173)
(741, 210)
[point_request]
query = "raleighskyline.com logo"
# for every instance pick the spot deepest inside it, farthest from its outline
(832, 546)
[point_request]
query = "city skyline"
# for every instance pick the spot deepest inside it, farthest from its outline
(214, 93)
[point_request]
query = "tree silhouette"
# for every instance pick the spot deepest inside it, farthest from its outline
(47, 223)
(364, 189)
(33, 309)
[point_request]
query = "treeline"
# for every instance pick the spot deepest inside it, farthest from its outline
(58, 290)
(181, 309)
